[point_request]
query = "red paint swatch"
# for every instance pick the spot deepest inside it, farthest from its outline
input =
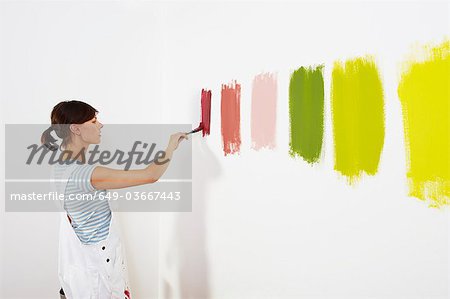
(206, 111)
(230, 114)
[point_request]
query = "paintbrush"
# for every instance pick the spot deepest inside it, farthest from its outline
(204, 125)
(200, 128)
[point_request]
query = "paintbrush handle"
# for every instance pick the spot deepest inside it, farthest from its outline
(195, 130)
(199, 128)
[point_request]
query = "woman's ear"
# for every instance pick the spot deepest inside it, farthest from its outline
(75, 129)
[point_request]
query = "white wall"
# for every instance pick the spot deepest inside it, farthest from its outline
(252, 233)
(108, 55)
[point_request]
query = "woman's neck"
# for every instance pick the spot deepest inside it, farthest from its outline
(74, 153)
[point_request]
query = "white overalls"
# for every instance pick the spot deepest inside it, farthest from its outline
(95, 271)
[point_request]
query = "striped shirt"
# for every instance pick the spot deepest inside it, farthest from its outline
(90, 215)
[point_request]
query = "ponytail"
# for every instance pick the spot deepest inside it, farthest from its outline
(48, 140)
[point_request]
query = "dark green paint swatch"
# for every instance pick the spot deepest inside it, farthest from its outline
(306, 113)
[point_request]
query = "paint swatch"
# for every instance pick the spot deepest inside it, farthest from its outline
(358, 117)
(230, 117)
(306, 104)
(425, 96)
(264, 111)
(206, 112)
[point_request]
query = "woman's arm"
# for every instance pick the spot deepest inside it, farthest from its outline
(108, 178)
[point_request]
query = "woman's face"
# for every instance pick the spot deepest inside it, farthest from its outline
(90, 131)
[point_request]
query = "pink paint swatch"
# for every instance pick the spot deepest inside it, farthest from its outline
(231, 114)
(264, 111)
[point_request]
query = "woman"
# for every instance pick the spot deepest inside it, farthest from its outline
(91, 261)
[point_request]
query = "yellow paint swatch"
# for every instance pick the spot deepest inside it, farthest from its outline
(424, 95)
(358, 117)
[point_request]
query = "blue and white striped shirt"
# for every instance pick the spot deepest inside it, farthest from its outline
(90, 215)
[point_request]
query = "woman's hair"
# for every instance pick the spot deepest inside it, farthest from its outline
(64, 114)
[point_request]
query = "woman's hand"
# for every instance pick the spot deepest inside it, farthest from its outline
(175, 140)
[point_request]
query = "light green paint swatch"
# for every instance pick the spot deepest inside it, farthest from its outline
(358, 117)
